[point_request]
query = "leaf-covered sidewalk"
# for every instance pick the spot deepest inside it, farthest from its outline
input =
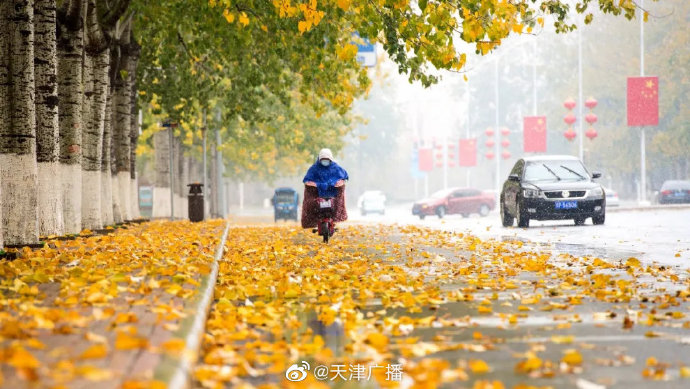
(444, 309)
(101, 311)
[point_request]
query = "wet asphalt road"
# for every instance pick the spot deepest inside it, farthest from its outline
(650, 235)
(616, 357)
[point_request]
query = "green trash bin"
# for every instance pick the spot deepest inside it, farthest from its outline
(196, 202)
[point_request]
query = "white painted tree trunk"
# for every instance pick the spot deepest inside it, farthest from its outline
(93, 144)
(47, 129)
(18, 174)
(70, 175)
(91, 199)
(161, 202)
(134, 198)
(18, 167)
(117, 206)
(161, 189)
(50, 199)
(70, 53)
(106, 172)
(90, 164)
(125, 192)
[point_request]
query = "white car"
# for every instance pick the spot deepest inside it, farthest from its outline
(611, 198)
(372, 201)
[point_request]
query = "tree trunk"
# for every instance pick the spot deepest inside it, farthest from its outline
(97, 55)
(90, 193)
(134, 51)
(161, 188)
(122, 89)
(5, 92)
(70, 51)
(47, 130)
(178, 153)
(18, 166)
(211, 191)
(106, 175)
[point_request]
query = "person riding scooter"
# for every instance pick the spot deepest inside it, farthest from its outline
(324, 179)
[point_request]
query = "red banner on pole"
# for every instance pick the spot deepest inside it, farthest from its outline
(643, 101)
(426, 160)
(468, 152)
(534, 134)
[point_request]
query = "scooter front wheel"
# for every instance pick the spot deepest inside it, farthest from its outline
(326, 231)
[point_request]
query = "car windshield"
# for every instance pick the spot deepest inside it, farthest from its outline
(372, 195)
(440, 194)
(285, 197)
(555, 170)
(676, 185)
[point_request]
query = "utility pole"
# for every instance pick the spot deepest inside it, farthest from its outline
(580, 101)
(497, 155)
(534, 76)
(467, 130)
(643, 151)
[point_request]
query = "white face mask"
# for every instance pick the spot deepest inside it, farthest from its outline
(325, 162)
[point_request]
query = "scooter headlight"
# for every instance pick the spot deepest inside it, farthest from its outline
(531, 193)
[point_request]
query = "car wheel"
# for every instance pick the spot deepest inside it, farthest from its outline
(522, 218)
(579, 221)
(465, 215)
(599, 220)
(421, 217)
(484, 210)
(441, 212)
(506, 219)
(364, 213)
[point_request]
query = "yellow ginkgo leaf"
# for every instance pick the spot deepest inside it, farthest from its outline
(244, 20)
(173, 345)
(94, 352)
(478, 366)
(229, 16)
(93, 373)
(572, 357)
(125, 341)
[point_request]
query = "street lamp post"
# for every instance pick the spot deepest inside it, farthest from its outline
(496, 152)
(643, 156)
(579, 88)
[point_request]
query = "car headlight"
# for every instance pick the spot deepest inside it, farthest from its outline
(597, 192)
(531, 193)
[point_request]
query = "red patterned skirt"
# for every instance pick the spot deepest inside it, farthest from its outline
(310, 208)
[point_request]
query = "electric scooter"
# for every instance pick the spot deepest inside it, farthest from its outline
(326, 213)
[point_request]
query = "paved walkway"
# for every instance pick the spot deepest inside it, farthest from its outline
(101, 310)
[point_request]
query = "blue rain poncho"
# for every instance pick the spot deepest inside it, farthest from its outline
(325, 178)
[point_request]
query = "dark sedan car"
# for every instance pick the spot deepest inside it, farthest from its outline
(674, 191)
(456, 200)
(551, 188)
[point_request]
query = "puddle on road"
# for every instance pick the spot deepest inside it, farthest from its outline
(574, 249)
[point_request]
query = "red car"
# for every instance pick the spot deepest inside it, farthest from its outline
(462, 201)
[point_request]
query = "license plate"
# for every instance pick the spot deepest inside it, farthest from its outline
(566, 204)
(325, 204)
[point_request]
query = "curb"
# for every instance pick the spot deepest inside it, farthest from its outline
(669, 207)
(175, 371)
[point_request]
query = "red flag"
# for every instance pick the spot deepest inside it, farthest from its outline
(534, 134)
(643, 101)
(468, 152)
(426, 160)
